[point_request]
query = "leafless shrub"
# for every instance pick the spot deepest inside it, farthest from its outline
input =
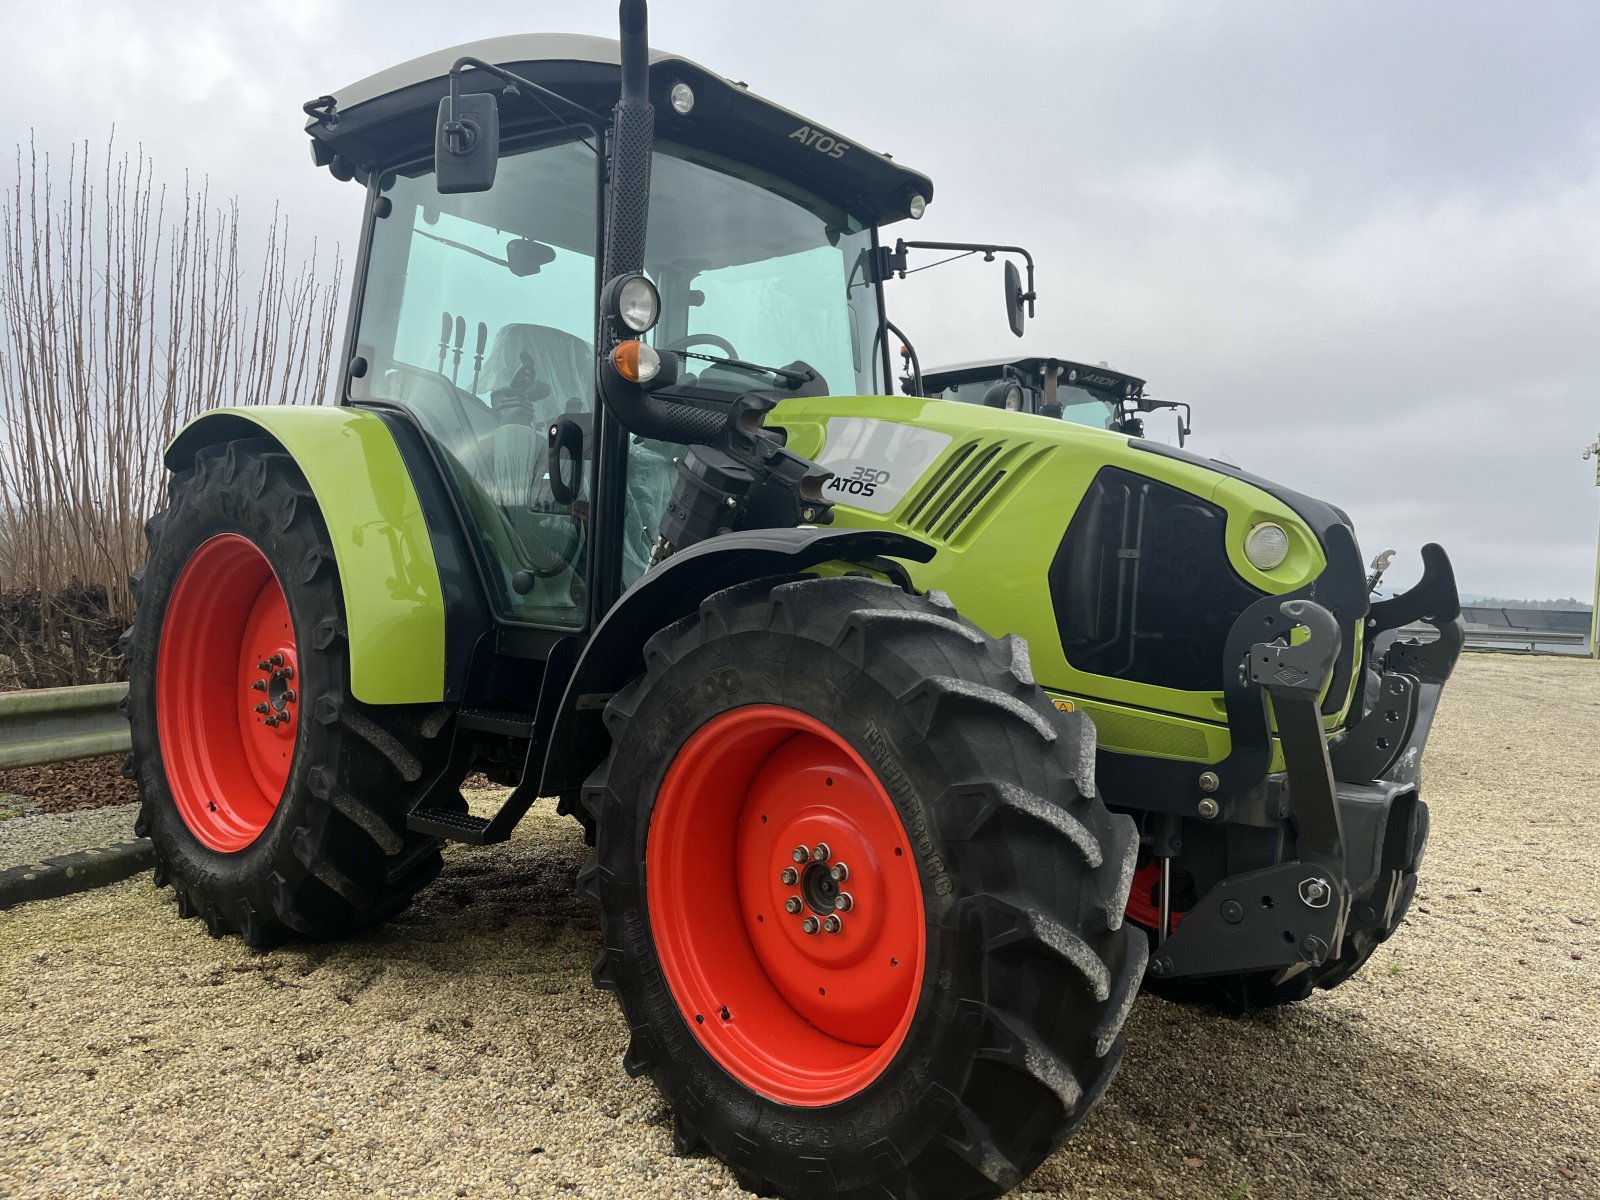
(123, 312)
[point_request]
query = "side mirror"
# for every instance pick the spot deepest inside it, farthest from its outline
(466, 143)
(1014, 297)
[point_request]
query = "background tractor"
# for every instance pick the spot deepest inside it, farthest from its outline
(610, 509)
(1092, 395)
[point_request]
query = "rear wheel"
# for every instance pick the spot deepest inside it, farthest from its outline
(276, 802)
(861, 909)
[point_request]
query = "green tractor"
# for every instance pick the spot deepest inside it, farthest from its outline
(626, 520)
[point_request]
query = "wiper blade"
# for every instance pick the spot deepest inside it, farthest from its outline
(794, 379)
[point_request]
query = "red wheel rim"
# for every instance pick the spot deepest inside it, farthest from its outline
(227, 692)
(805, 1018)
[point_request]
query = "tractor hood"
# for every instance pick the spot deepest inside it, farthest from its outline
(387, 119)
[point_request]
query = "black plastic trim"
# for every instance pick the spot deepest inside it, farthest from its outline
(674, 590)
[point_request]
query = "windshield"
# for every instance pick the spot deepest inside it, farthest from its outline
(1079, 405)
(750, 268)
(478, 316)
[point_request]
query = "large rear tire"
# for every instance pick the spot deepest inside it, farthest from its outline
(275, 800)
(943, 1030)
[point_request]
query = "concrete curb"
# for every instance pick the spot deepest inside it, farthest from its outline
(76, 872)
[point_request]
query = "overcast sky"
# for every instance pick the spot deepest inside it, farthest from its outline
(1362, 239)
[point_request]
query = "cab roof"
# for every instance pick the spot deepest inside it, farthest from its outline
(387, 119)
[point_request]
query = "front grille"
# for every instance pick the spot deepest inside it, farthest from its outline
(1142, 586)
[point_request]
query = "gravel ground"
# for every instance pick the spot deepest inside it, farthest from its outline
(28, 839)
(461, 1051)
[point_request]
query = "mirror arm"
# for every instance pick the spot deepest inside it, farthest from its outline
(515, 85)
(988, 251)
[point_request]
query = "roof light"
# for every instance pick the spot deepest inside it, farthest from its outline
(682, 99)
(1266, 546)
(917, 206)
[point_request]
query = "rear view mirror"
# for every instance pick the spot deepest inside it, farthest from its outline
(466, 143)
(1014, 297)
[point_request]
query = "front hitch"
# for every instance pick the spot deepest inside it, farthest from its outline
(1294, 912)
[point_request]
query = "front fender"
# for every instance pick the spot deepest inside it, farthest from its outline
(670, 592)
(394, 603)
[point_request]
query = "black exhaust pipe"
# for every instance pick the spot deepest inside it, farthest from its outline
(633, 127)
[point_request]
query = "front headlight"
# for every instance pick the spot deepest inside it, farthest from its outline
(1266, 546)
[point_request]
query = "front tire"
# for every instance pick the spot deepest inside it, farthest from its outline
(275, 800)
(963, 1014)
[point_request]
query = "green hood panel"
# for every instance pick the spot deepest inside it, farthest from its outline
(394, 604)
(994, 492)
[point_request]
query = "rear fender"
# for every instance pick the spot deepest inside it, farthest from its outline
(615, 654)
(394, 602)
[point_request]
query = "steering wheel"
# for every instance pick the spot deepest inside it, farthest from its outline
(705, 339)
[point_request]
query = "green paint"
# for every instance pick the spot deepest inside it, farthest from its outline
(995, 565)
(394, 604)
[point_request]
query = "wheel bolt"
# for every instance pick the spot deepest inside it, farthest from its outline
(264, 665)
(790, 876)
(271, 722)
(832, 924)
(260, 685)
(820, 852)
(844, 901)
(289, 696)
(276, 660)
(810, 925)
(801, 854)
(840, 872)
(288, 672)
(263, 707)
(792, 904)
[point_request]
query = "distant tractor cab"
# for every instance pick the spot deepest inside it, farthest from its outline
(906, 734)
(1092, 395)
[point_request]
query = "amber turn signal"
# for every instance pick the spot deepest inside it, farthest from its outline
(635, 361)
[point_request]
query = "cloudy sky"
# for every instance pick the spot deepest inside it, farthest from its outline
(1362, 239)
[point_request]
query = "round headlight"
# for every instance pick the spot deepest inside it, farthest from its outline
(1266, 546)
(917, 206)
(638, 304)
(682, 99)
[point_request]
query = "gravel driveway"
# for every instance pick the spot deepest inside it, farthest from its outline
(460, 1050)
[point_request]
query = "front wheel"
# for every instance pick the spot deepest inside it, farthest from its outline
(861, 908)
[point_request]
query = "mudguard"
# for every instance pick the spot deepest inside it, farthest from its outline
(672, 591)
(394, 603)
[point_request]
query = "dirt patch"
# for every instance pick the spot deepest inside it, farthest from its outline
(69, 786)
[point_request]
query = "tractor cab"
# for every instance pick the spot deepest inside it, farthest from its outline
(475, 313)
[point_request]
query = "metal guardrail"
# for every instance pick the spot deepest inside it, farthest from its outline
(61, 724)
